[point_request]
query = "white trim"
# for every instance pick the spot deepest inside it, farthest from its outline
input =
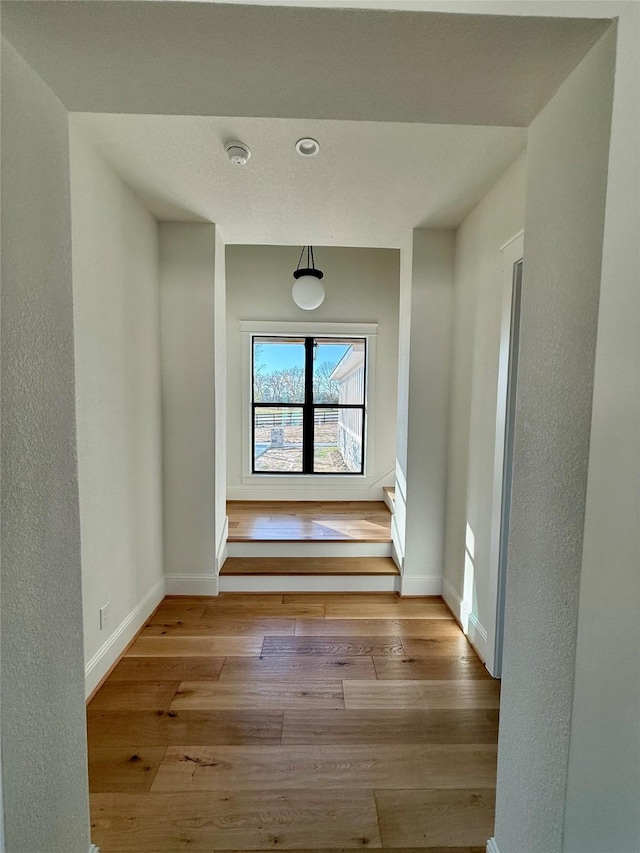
(276, 327)
(309, 549)
(222, 554)
(421, 585)
(492, 846)
(513, 252)
(109, 652)
(518, 234)
(396, 539)
(471, 625)
(328, 482)
(395, 556)
(191, 585)
(309, 583)
(93, 849)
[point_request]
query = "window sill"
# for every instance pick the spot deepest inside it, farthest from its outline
(292, 479)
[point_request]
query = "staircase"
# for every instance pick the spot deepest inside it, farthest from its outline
(309, 547)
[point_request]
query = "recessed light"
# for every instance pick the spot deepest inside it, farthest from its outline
(307, 147)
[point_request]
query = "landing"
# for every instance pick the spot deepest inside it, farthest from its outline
(308, 521)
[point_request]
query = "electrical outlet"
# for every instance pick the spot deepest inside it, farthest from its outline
(104, 615)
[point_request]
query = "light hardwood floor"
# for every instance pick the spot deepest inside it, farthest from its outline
(307, 722)
(304, 521)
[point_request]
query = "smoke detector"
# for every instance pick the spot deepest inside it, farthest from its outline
(238, 153)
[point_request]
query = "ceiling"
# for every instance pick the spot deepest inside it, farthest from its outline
(290, 62)
(370, 184)
(417, 113)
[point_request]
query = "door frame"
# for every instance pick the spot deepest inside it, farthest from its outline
(512, 252)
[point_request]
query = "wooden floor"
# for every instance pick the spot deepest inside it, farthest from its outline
(304, 722)
(304, 521)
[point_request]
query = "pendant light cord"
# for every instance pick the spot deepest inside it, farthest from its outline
(311, 263)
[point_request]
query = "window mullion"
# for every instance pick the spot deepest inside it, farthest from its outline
(307, 412)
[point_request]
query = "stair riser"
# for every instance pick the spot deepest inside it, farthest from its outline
(309, 583)
(309, 549)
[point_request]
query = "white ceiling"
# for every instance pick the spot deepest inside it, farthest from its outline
(417, 113)
(370, 184)
(290, 62)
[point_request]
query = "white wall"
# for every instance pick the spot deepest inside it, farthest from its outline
(564, 219)
(478, 311)
(117, 349)
(44, 754)
(189, 300)
(424, 378)
(603, 809)
(361, 287)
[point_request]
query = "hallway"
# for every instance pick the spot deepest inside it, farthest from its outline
(300, 722)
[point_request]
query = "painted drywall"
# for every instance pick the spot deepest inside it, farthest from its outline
(44, 754)
(188, 345)
(427, 307)
(567, 155)
(602, 810)
(116, 304)
(515, 64)
(478, 310)
(361, 287)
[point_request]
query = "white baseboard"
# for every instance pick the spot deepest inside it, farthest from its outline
(309, 549)
(421, 585)
(223, 553)
(191, 585)
(492, 847)
(471, 625)
(109, 652)
(309, 583)
(395, 556)
(397, 539)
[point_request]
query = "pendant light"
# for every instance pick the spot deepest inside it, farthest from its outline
(307, 291)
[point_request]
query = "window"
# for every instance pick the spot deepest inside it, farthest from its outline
(308, 404)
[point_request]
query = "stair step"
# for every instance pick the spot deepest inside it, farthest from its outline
(389, 493)
(367, 566)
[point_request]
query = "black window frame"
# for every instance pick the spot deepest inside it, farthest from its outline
(308, 407)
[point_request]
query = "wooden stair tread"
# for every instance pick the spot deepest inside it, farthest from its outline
(308, 521)
(309, 566)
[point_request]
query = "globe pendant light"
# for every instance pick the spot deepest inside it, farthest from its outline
(307, 291)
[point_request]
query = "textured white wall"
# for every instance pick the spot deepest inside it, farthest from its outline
(43, 723)
(117, 347)
(426, 400)
(603, 808)
(478, 305)
(188, 332)
(361, 287)
(564, 219)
